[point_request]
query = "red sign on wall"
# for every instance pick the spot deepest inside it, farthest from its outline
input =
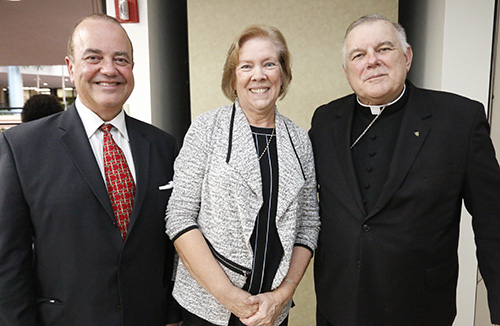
(126, 11)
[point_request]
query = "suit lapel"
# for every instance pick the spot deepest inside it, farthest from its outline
(76, 143)
(412, 135)
(341, 134)
(139, 146)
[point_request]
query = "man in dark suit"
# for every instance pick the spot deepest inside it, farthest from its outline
(394, 163)
(65, 258)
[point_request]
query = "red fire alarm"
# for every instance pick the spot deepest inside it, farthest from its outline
(126, 11)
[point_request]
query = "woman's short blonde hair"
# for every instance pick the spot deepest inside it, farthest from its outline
(251, 32)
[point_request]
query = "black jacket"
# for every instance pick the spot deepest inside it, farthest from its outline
(52, 195)
(397, 264)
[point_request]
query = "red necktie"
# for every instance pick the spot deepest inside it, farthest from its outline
(121, 187)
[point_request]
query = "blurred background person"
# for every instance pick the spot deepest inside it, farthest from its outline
(39, 106)
(243, 213)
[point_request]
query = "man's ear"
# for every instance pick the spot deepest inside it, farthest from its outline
(69, 65)
(408, 56)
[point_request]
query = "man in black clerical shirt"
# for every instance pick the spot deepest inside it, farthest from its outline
(393, 164)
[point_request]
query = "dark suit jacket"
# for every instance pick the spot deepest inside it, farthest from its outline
(397, 264)
(80, 272)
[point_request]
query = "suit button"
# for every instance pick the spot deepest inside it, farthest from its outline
(369, 168)
(371, 153)
(366, 227)
(118, 307)
(367, 185)
(123, 266)
(373, 137)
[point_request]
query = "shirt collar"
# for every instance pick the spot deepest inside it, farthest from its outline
(92, 122)
(376, 109)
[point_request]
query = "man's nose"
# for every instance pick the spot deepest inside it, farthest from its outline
(108, 67)
(372, 58)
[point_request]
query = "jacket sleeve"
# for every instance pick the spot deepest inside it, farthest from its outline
(481, 197)
(308, 220)
(17, 304)
(189, 170)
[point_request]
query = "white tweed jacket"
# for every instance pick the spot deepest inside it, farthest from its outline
(218, 189)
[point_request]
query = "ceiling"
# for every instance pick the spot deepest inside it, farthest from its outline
(35, 33)
(30, 80)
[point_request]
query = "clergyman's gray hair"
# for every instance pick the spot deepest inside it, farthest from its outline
(401, 34)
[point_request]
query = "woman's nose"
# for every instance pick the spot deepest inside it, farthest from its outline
(258, 73)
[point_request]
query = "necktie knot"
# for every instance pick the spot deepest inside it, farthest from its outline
(106, 127)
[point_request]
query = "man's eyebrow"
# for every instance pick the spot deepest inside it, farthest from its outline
(390, 43)
(96, 51)
(123, 53)
(117, 53)
(354, 51)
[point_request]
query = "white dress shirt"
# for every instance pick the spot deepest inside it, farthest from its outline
(92, 123)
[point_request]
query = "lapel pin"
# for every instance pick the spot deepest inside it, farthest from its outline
(417, 133)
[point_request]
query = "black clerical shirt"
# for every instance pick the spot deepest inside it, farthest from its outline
(372, 155)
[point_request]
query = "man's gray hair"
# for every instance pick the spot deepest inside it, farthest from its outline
(401, 34)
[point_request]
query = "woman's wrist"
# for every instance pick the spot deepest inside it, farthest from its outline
(286, 290)
(225, 292)
(289, 280)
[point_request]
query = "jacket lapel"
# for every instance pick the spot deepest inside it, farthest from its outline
(412, 135)
(139, 146)
(290, 175)
(243, 155)
(75, 141)
(341, 134)
(244, 161)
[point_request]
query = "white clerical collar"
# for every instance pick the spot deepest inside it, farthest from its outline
(376, 109)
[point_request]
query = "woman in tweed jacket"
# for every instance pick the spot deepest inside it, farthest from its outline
(243, 213)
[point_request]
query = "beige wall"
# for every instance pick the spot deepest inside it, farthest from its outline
(314, 31)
